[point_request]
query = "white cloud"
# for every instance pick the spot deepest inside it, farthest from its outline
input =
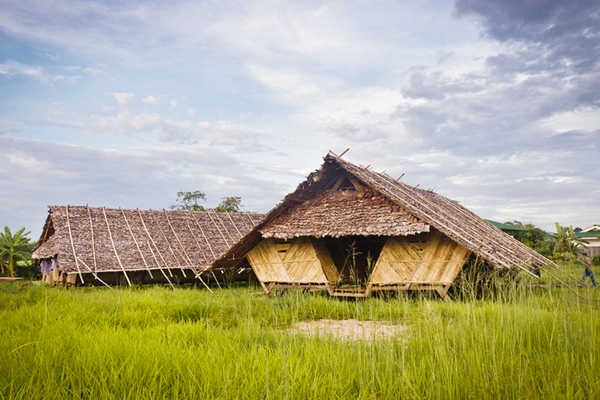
(585, 119)
(122, 98)
(150, 101)
(12, 67)
(174, 103)
(93, 71)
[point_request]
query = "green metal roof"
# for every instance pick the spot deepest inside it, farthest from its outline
(591, 234)
(505, 227)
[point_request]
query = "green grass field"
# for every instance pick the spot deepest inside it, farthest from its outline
(154, 342)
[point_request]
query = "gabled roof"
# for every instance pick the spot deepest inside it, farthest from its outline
(90, 240)
(423, 207)
(593, 228)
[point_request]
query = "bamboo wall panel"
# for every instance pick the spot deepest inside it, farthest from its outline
(265, 261)
(397, 262)
(437, 261)
(326, 262)
(302, 263)
(292, 262)
(458, 259)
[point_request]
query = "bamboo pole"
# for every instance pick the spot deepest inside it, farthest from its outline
(136, 243)
(73, 245)
(235, 226)
(184, 252)
(93, 241)
(95, 275)
(152, 251)
(217, 226)
(167, 241)
(207, 263)
(205, 237)
(114, 247)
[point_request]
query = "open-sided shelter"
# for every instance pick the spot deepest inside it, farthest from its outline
(99, 245)
(350, 231)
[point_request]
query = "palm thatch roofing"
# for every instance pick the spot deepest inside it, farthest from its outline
(89, 240)
(385, 207)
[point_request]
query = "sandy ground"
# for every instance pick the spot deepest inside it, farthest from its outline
(349, 329)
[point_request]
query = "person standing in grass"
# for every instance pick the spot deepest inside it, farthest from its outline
(587, 264)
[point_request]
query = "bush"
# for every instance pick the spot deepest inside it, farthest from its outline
(596, 259)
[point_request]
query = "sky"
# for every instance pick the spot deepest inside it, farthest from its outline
(495, 104)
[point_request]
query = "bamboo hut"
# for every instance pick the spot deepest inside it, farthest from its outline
(351, 231)
(86, 245)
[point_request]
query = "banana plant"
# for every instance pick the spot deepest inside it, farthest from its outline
(14, 248)
(566, 241)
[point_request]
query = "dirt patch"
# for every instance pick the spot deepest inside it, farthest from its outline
(348, 329)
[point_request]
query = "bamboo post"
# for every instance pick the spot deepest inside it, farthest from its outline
(73, 245)
(114, 247)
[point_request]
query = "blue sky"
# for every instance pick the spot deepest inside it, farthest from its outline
(494, 104)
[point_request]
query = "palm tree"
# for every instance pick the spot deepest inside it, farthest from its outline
(14, 248)
(566, 241)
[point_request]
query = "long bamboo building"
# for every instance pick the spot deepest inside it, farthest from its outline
(86, 245)
(351, 231)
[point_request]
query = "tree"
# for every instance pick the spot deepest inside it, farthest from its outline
(229, 204)
(14, 248)
(188, 201)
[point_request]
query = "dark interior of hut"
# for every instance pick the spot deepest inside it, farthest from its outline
(354, 257)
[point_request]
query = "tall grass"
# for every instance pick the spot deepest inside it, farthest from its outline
(156, 342)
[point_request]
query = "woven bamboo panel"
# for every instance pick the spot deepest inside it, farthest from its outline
(327, 264)
(291, 262)
(265, 261)
(397, 262)
(302, 263)
(437, 261)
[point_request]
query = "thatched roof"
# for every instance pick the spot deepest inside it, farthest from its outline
(313, 210)
(344, 213)
(87, 239)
